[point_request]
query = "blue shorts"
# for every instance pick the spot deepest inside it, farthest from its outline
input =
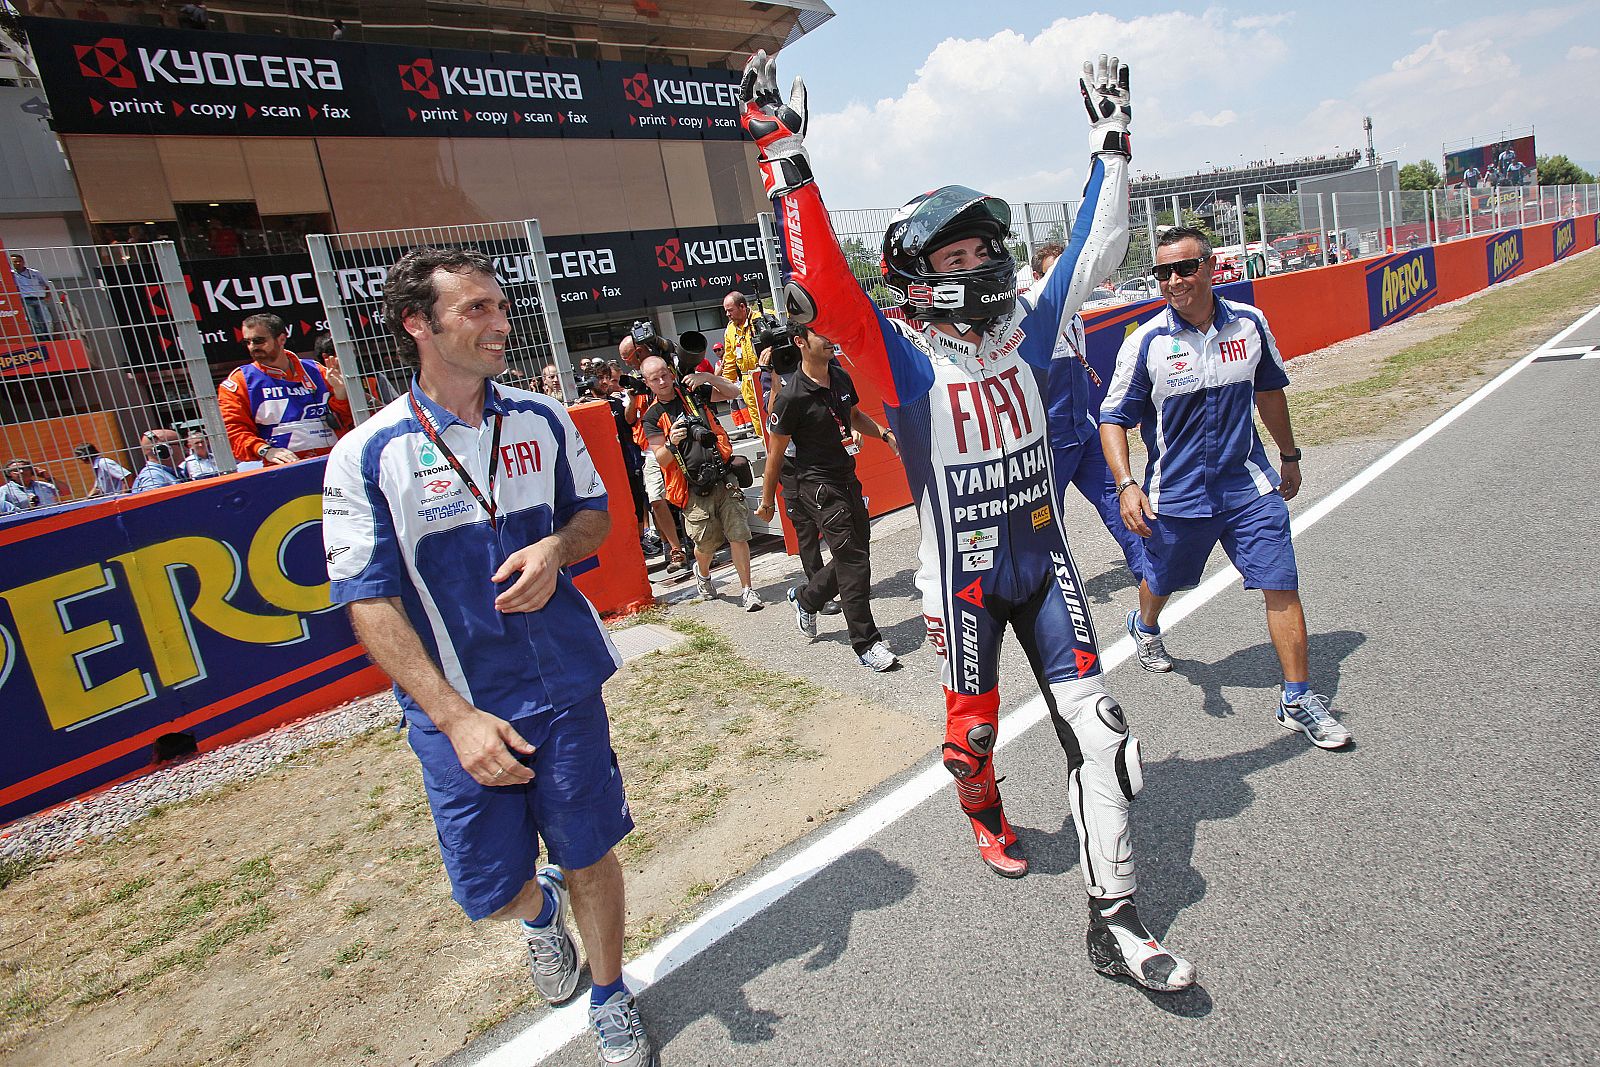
(1255, 537)
(489, 835)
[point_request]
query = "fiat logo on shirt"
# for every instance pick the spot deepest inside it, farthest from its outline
(437, 486)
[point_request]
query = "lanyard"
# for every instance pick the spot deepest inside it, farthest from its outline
(1093, 377)
(431, 431)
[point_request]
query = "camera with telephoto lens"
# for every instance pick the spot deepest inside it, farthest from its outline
(633, 384)
(781, 338)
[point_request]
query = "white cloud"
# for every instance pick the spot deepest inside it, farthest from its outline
(992, 111)
(1261, 22)
(1003, 113)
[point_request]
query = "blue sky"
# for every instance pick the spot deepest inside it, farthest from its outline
(904, 95)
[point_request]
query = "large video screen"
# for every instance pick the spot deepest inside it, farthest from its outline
(1494, 165)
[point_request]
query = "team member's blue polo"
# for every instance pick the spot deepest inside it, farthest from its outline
(1207, 476)
(398, 521)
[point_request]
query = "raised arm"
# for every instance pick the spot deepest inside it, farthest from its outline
(822, 291)
(1099, 236)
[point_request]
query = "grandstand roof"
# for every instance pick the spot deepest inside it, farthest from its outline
(1248, 180)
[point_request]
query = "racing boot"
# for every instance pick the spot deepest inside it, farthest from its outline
(980, 799)
(1120, 945)
(997, 841)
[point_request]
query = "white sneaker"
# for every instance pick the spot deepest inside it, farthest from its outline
(619, 1032)
(703, 587)
(751, 600)
(804, 621)
(1311, 716)
(879, 658)
(552, 955)
(1152, 653)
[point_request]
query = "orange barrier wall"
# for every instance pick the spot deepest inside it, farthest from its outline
(616, 581)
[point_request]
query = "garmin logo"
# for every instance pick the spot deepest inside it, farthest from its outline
(995, 298)
(174, 67)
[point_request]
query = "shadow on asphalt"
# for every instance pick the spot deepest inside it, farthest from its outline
(713, 982)
(1257, 667)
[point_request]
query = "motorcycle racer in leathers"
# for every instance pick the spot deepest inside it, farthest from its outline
(964, 384)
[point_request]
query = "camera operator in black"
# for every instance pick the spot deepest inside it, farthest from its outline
(817, 410)
(702, 475)
(603, 385)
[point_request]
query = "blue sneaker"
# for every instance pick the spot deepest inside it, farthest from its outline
(1311, 716)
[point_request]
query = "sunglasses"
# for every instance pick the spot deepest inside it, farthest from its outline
(1185, 268)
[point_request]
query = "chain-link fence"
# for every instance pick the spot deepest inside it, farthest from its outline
(98, 347)
(351, 269)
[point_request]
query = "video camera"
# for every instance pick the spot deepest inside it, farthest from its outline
(781, 338)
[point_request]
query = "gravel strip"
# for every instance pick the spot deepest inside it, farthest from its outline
(107, 813)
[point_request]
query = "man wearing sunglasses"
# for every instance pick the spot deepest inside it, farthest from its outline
(964, 378)
(1191, 377)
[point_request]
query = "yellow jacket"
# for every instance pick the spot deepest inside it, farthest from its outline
(739, 362)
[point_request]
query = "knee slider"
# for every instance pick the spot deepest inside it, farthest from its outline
(967, 760)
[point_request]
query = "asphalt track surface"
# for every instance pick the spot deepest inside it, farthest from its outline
(1426, 896)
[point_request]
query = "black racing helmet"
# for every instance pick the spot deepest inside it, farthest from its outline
(928, 223)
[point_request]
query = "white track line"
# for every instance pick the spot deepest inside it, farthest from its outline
(554, 1030)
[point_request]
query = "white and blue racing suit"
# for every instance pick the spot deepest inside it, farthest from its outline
(970, 416)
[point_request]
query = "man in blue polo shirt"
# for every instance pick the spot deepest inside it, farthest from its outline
(449, 518)
(1190, 377)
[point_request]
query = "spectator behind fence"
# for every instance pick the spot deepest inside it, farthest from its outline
(702, 475)
(199, 462)
(26, 487)
(34, 288)
(110, 477)
(550, 381)
(273, 407)
(160, 447)
(379, 386)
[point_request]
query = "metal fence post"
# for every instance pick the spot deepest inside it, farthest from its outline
(1027, 229)
(344, 349)
(193, 350)
(769, 249)
(1338, 231)
(1322, 231)
(1261, 219)
(1150, 224)
(549, 311)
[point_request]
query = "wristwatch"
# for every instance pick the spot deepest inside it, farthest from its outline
(261, 453)
(1287, 458)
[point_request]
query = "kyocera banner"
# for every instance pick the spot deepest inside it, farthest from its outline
(199, 610)
(591, 273)
(134, 79)
(1399, 286)
(1504, 253)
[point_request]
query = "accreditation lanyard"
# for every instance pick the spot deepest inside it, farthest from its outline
(431, 432)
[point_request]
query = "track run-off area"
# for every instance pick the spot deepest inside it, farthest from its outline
(1424, 896)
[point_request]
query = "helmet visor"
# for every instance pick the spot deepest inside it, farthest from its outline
(945, 206)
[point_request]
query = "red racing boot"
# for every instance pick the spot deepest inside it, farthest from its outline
(997, 841)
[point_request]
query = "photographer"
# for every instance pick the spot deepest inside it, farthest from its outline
(702, 475)
(817, 410)
(666, 523)
(160, 461)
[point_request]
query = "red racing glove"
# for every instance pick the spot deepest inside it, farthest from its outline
(777, 128)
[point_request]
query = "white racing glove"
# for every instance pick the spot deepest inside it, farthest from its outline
(1105, 95)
